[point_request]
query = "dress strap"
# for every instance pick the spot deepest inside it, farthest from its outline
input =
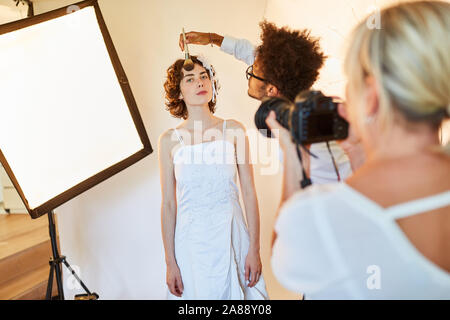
(223, 129)
(178, 136)
(418, 206)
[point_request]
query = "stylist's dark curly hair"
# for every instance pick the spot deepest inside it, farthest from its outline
(289, 59)
(174, 104)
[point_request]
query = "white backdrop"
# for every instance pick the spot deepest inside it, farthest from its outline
(112, 232)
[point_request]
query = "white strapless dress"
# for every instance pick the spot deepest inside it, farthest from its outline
(211, 236)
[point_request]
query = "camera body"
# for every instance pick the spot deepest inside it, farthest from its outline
(313, 118)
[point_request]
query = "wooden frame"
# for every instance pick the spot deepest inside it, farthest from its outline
(126, 90)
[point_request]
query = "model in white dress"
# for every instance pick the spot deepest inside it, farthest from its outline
(211, 236)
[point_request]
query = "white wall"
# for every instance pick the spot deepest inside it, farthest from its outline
(331, 21)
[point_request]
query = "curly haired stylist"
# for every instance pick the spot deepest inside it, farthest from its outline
(296, 68)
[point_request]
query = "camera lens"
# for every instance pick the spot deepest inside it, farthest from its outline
(282, 108)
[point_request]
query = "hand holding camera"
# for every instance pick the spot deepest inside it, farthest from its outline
(313, 118)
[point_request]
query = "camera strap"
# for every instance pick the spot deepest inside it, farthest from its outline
(309, 152)
(305, 181)
(334, 162)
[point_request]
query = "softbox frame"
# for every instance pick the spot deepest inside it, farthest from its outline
(60, 198)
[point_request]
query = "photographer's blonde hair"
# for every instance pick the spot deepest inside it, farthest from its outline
(409, 57)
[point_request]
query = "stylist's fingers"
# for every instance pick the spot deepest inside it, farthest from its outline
(191, 38)
(181, 42)
(200, 38)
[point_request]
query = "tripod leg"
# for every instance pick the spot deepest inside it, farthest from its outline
(56, 256)
(50, 282)
(58, 271)
(76, 276)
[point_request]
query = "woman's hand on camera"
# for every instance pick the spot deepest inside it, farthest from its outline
(279, 132)
(173, 279)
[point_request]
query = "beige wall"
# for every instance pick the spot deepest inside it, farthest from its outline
(10, 12)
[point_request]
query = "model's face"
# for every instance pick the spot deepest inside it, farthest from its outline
(196, 86)
(256, 87)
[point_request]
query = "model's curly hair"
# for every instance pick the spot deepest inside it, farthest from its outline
(289, 59)
(174, 104)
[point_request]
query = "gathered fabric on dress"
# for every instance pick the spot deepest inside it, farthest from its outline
(211, 236)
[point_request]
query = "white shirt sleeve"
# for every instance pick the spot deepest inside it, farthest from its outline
(242, 49)
(300, 257)
(322, 169)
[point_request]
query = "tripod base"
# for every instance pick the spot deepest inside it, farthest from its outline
(56, 268)
(93, 296)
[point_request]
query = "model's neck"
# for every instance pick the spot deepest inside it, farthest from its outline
(198, 114)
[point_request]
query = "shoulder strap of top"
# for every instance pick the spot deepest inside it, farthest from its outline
(178, 136)
(418, 206)
(223, 129)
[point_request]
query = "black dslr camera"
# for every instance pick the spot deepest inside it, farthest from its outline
(313, 118)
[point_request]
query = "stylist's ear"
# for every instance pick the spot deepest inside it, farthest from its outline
(372, 97)
(272, 91)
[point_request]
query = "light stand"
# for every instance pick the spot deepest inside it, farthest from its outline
(56, 268)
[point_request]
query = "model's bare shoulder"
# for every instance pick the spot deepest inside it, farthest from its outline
(167, 136)
(167, 141)
(234, 124)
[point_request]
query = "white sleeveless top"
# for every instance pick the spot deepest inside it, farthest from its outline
(211, 236)
(205, 174)
(335, 243)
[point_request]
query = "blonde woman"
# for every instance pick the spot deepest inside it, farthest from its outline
(385, 232)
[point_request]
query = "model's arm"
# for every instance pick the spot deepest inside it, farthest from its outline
(253, 266)
(242, 49)
(169, 211)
